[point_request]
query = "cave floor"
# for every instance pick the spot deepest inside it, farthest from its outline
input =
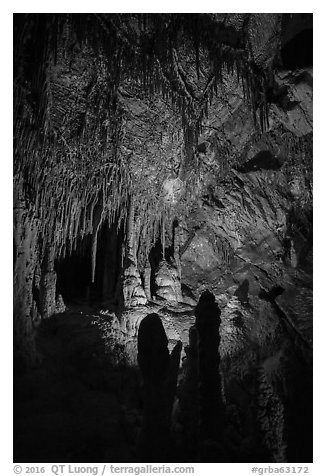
(70, 408)
(78, 405)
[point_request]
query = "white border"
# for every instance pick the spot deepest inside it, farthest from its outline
(318, 9)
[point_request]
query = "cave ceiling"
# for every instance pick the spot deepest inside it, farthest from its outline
(110, 106)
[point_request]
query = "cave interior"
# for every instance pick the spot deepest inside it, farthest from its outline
(162, 246)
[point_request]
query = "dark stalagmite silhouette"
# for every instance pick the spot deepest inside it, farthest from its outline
(159, 370)
(153, 353)
(211, 407)
(189, 397)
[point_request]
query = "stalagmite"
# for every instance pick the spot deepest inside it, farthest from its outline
(147, 280)
(48, 284)
(189, 396)
(211, 406)
(133, 291)
(159, 370)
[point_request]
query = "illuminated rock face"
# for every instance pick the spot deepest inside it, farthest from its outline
(133, 291)
(168, 285)
(172, 190)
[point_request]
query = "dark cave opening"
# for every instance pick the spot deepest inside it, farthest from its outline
(154, 259)
(108, 263)
(156, 255)
(264, 160)
(298, 52)
(74, 272)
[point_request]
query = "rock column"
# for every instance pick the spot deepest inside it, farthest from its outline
(48, 284)
(211, 407)
(159, 371)
(25, 261)
(133, 291)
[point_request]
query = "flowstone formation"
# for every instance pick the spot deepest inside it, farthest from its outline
(163, 167)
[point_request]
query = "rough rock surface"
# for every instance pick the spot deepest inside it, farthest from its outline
(133, 291)
(168, 285)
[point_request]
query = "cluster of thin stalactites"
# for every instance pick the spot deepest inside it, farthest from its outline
(75, 185)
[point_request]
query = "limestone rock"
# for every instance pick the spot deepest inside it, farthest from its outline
(172, 190)
(48, 294)
(36, 317)
(270, 415)
(25, 261)
(60, 305)
(295, 111)
(168, 285)
(233, 328)
(133, 291)
(297, 303)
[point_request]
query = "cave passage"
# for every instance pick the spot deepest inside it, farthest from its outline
(297, 53)
(264, 160)
(74, 272)
(74, 275)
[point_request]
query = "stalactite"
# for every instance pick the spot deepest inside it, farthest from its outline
(56, 168)
(163, 235)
